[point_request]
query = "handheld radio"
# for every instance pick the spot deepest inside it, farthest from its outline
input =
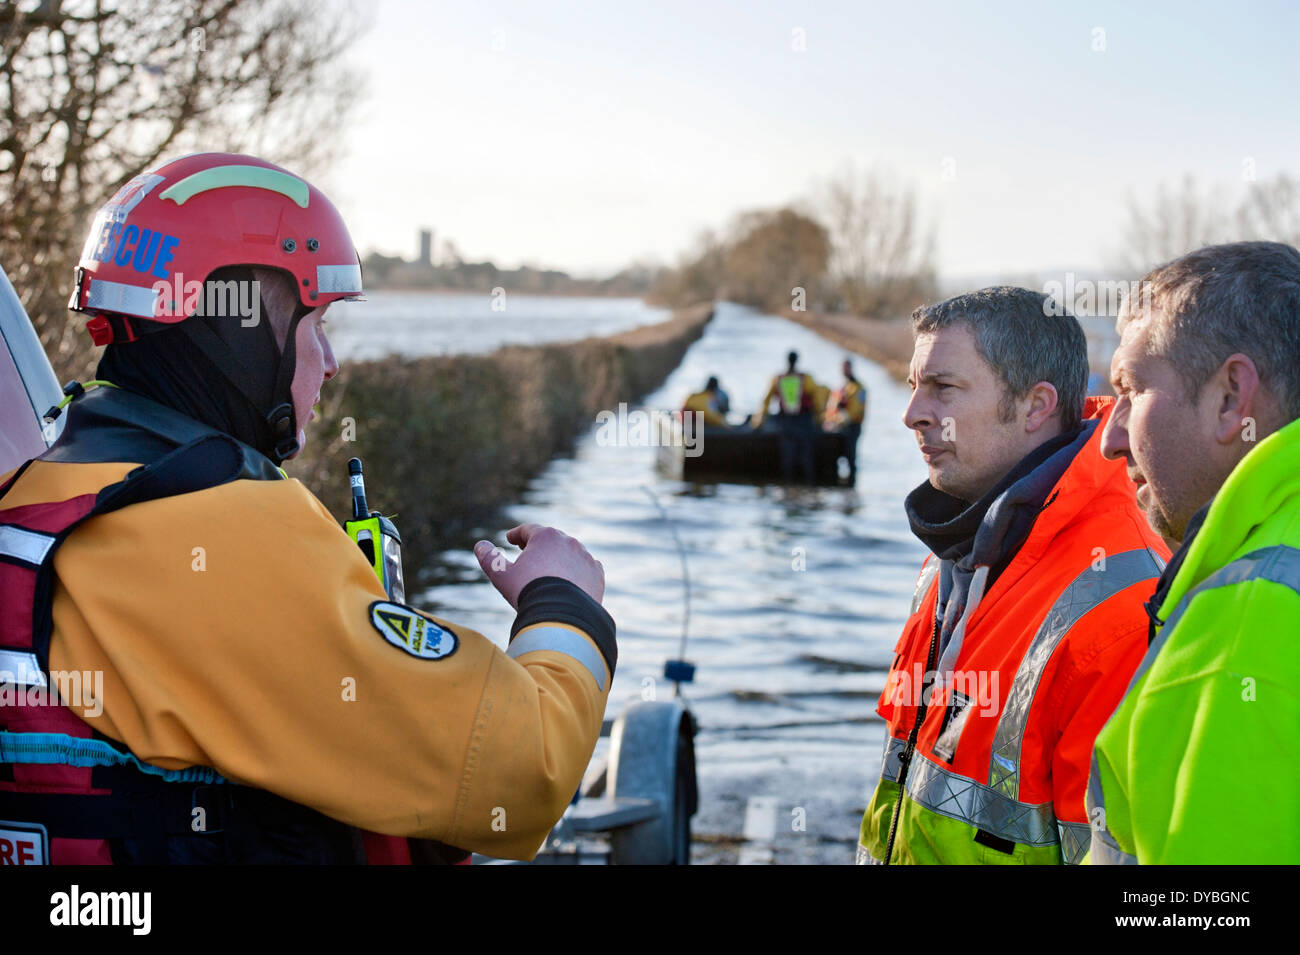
(369, 528)
(376, 536)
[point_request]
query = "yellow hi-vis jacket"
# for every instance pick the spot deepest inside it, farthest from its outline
(847, 405)
(240, 628)
(703, 402)
(794, 391)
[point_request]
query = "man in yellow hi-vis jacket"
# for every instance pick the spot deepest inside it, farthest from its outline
(796, 396)
(258, 698)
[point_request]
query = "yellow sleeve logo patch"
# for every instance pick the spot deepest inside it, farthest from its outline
(412, 631)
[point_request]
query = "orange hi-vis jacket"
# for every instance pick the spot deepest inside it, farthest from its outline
(989, 762)
(240, 628)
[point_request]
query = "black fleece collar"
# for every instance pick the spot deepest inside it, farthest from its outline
(113, 424)
(949, 526)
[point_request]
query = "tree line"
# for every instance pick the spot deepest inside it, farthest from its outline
(95, 92)
(857, 245)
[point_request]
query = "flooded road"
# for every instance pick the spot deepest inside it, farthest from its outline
(798, 596)
(416, 323)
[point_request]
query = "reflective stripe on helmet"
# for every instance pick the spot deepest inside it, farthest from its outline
(218, 177)
(338, 278)
(137, 300)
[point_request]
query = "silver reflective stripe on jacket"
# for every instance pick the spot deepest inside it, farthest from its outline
(1104, 850)
(1278, 564)
(1074, 841)
(1087, 591)
(954, 796)
(560, 640)
(923, 582)
(957, 797)
(866, 858)
(889, 765)
(963, 799)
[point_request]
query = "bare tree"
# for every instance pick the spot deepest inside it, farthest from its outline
(698, 276)
(1177, 219)
(94, 92)
(882, 255)
(773, 252)
(1181, 217)
(1271, 210)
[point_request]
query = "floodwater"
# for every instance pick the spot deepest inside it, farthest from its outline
(797, 598)
(448, 323)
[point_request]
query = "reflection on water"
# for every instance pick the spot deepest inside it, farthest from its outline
(798, 594)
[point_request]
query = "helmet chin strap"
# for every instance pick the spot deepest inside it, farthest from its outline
(282, 419)
(281, 436)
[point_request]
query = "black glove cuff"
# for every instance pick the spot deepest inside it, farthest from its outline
(556, 600)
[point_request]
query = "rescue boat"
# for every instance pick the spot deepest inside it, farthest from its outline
(746, 455)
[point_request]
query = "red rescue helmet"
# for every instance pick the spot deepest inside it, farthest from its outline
(177, 224)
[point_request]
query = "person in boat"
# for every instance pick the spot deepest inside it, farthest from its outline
(794, 392)
(1027, 619)
(723, 402)
(845, 412)
(263, 700)
(1197, 764)
(712, 403)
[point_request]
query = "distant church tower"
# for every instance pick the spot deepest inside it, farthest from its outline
(426, 247)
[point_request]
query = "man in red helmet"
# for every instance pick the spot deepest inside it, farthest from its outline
(258, 698)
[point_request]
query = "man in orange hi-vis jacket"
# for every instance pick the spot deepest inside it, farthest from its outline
(256, 695)
(1027, 620)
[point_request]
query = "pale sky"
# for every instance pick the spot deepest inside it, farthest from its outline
(582, 136)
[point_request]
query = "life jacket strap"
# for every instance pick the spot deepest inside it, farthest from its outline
(59, 749)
